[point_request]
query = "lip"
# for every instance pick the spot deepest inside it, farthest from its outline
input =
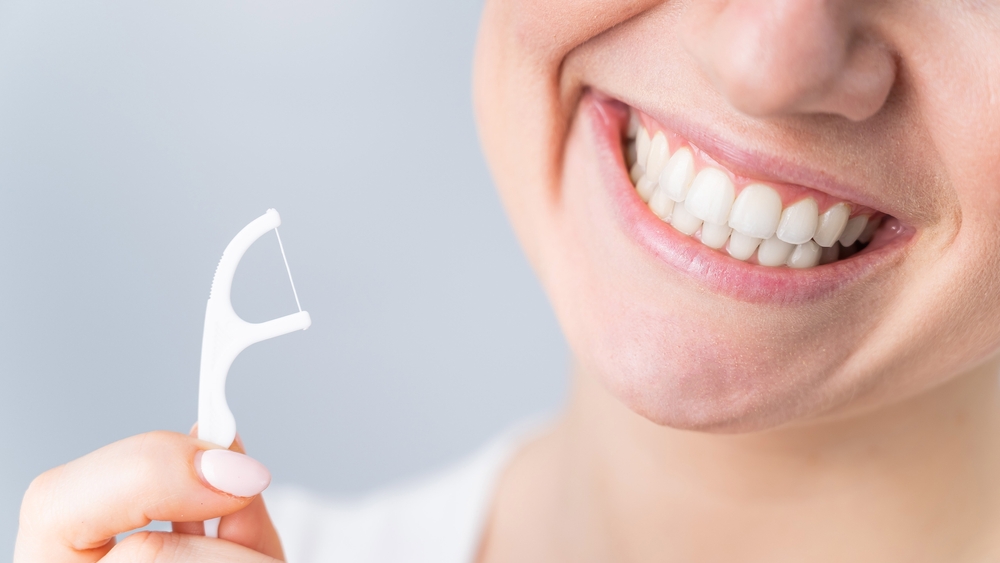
(722, 274)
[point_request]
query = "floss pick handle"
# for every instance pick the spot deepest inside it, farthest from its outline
(226, 334)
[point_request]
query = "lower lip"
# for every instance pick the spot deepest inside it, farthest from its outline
(711, 268)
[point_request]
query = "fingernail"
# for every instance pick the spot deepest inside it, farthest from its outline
(230, 472)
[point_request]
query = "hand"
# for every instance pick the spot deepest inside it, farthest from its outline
(71, 514)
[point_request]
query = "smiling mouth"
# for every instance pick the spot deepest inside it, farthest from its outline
(763, 223)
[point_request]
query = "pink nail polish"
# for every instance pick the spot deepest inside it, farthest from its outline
(230, 472)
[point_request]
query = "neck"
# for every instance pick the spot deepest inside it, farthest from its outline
(914, 480)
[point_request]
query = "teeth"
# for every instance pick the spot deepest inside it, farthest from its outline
(831, 225)
(704, 203)
(711, 196)
(678, 174)
(642, 143)
(645, 187)
(805, 255)
(658, 155)
(756, 211)
(636, 173)
(633, 125)
(661, 204)
(714, 235)
(798, 221)
(853, 230)
(774, 252)
(683, 221)
(741, 247)
(869, 232)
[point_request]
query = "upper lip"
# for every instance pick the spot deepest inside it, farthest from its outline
(767, 167)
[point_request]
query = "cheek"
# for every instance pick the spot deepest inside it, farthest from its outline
(672, 351)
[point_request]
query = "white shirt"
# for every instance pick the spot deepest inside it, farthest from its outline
(437, 519)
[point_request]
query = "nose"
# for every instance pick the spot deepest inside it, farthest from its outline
(780, 57)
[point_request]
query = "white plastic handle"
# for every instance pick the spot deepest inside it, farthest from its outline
(226, 335)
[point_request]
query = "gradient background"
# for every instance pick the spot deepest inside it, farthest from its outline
(136, 138)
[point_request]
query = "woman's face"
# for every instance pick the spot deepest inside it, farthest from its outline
(830, 115)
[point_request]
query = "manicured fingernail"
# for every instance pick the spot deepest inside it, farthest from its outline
(230, 472)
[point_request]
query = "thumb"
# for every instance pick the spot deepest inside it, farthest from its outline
(250, 527)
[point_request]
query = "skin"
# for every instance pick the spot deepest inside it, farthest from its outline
(860, 426)
(856, 426)
(72, 513)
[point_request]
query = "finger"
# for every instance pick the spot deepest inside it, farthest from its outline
(250, 527)
(150, 547)
(190, 528)
(198, 528)
(72, 513)
(236, 446)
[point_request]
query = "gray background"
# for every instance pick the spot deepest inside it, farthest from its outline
(136, 138)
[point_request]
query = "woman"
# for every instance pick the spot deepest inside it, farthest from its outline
(768, 228)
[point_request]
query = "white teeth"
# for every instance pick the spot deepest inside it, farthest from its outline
(661, 204)
(711, 196)
(678, 174)
(741, 247)
(830, 254)
(658, 155)
(753, 224)
(798, 221)
(642, 143)
(714, 235)
(633, 125)
(866, 235)
(831, 225)
(805, 255)
(636, 173)
(683, 221)
(774, 252)
(645, 187)
(756, 211)
(853, 230)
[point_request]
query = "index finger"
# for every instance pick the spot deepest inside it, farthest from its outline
(73, 512)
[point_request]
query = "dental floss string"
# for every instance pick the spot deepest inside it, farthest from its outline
(287, 269)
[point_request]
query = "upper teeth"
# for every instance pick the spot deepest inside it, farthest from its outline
(752, 222)
(757, 211)
(832, 224)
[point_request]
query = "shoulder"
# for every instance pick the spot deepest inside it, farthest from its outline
(437, 518)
